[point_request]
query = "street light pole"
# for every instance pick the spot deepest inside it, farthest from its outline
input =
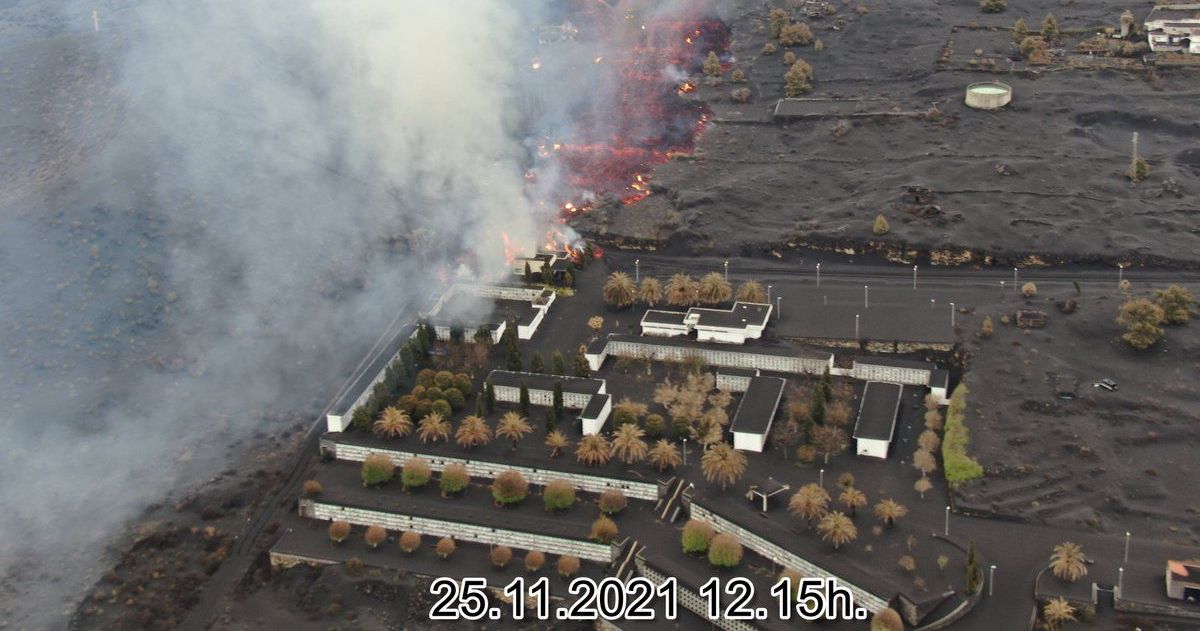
(1120, 273)
(778, 308)
(1126, 547)
(914, 276)
(685, 451)
(726, 271)
(946, 529)
(866, 296)
(1014, 278)
(991, 579)
(821, 479)
(637, 270)
(952, 314)
(768, 294)
(856, 336)
(818, 274)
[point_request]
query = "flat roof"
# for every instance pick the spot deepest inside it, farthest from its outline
(594, 406)
(540, 381)
(1174, 12)
(939, 378)
(896, 362)
(878, 410)
(757, 408)
(748, 348)
(739, 316)
(737, 372)
(654, 316)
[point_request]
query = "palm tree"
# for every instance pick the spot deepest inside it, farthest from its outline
(473, 431)
(557, 442)
(1067, 562)
(619, 290)
(681, 291)
(627, 443)
(889, 511)
(723, 464)
(664, 455)
(852, 499)
(836, 528)
(433, 428)
(1057, 611)
(651, 291)
(593, 450)
(513, 426)
(393, 423)
(714, 288)
(810, 502)
(751, 291)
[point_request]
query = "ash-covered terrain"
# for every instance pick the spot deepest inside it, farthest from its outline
(1040, 180)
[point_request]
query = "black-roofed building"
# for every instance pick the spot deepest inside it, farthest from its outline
(877, 414)
(757, 356)
(755, 413)
(579, 393)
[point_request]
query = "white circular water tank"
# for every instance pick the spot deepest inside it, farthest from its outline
(989, 95)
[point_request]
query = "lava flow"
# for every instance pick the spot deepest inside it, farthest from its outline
(613, 146)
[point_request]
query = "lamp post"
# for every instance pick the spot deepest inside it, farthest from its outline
(1120, 581)
(821, 479)
(866, 296)
(914, 276)
(1001, 287)
(726, 271)
(946, 528)
(818, 274)
(856, 336)
(952, 314)
(991, 579)
(685, 451)
(637, 270)
(1126, 547)
(768, 294)
(778, 308)
(1014, 278)
(1120, 273)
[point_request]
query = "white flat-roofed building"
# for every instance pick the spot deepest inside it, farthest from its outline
(877, 414)
(743, 321)
(1174, 28)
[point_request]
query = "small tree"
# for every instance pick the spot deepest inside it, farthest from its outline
(922, 486)
(593, 450)
(713, 288)
(473, 432)
(889, 510)
(534, 560)
(696, 537)
(445, 547)
(1029, 290)
(853, 499)
(988, 327)
(796, 34)
(556, 405)
(1068, 561)
(724, 551)
(500, 556)
(557, 442)
(619, 290)
(409, 541)
(1050, 28)
(612, 502)
(604, 530)
(1176, 304)
(830, 440)
(311, 488)
(433, 428)
(836, 528)
(536, 365)
(664, 455)
(924, 461)
(509, 487)
(1056, 612)
(779, 19)
(1020, 31)
(513, 427)
(907, 563)
(567, 565)
(881, 225)
(993, 6)
(737, 76)
(523, 400)
(974, 575)
(415, 473)
(929, 441)
(810, 503)
(1142, 321)
(393, 423)
(454, 479)
(712, 65)
(354, 566)
(377, 469)
(559, 366)
(582, 369)
(887, 619)
(798, 79)
(374, 536)
(558, 495)
(740, 95)
(338, 531)
(627, 443)
(650, 291)
(751, 291)
(723, 465)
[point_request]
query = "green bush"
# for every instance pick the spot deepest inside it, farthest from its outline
(724, 551)
(558, 495)
(958, 465)
(455, 398)
(509, 487)
(377, 469)
(415, 473)
(696, 537)
(454, 479)
(655, 426)
(441, 407)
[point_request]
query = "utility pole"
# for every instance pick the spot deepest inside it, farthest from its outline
(768, 294)
(1120, 581)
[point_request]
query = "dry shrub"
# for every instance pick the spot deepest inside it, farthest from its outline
(534, 560)
(410, 541)
(312, 488)
(604, 530)
(338, 531)
(612, 502)
(567, 565)
(501, 555)
(375, 535)
(445, 547)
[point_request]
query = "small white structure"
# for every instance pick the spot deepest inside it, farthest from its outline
(1174, 28)
(743, 321)
(579, 393)
(755, 413)
(877, 414)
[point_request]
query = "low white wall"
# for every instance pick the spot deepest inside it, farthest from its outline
(591, 551)
(488, 470)
(749, 442)
(871, 447)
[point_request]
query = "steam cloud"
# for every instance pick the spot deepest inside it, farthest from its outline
(281, 179)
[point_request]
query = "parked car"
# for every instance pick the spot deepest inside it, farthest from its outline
(1107, 384)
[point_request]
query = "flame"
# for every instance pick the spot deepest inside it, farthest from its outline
(536, 64)
(598, 60)
(687, 87)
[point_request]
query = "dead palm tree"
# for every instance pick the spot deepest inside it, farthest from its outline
(889, 511)
(393, 423)
(681, 291)
(1068, 561)
(593, 450)
(836, 528)
(810, 503)
(751, 291)
(619, 290)
(723, 464)
(512, 426)
(1057, 611)
(651, 291)
(627, 444)
(557, 442)
(664, 455)
(852, 499)
(713, 288)
(472, 432)
(433, 428)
